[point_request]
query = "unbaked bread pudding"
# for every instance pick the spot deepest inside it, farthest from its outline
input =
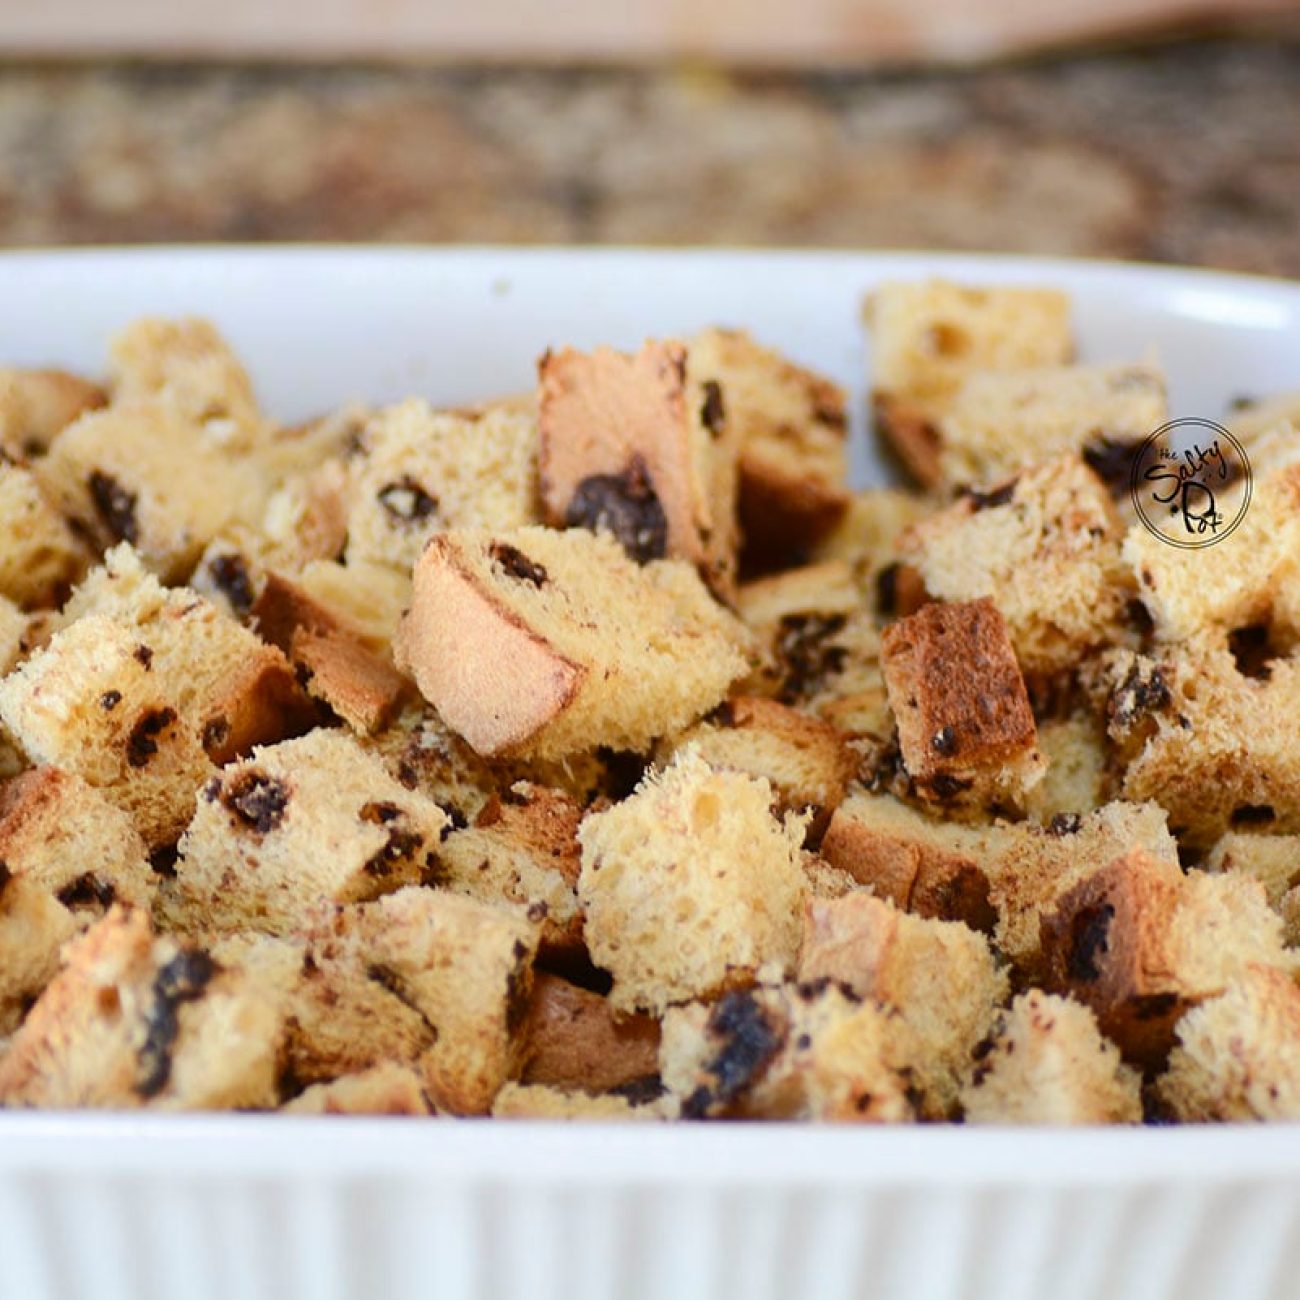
(598, 753)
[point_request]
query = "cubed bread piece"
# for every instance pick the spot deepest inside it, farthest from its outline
(231, 689)
(811, 1052)
(998, 422)
(34, 926)
(68, 838)
(572, 1038)
(537, 1101)
(333, 663)
(866, 534)
(1273, 860)
(690, 885)
(934, 869)
(466, 967)
(90, 702)
(1030, 867)
(145, 474)
(40, 557)
(805, 759)
(928, 336)
(791, 430)
(187, 365)
(1239, 582)
(1045, 548)
(939, 976)
(37, 405)
(385, 1089)
(1206, 736)
(135, 1019)
(1238, 1054)
(423, 471)
(550, 643)
(1140, 943)
(341, 1012)
(965, 729)
(368, 599)
(1047, 1063)
(522, 852)
(299, 823)
(1078, 779)
(639, 446)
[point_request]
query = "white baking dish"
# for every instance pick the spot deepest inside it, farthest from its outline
(234, 1207)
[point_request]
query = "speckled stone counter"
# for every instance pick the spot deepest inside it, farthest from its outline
(1184, 153)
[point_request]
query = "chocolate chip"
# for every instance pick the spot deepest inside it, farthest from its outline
(749, 1042)
(258, 800)
(402, 843)
(640, 1091)
(1253, 814)
(1065, 824)
(518, 987)
(142, 743)
(143, 655)
(945, 786)
(110, 700)
(115, 507)
(517, 565)
(181, 980)
(626, 506)
(804, 653)
(1138, 694)
(944, 741)
(162, 860)
(990, 500)
(1089, 933)
(406, 501)
(713, 414)
(230, 576)
(216, 732)
(85, 891)
(1111, 459)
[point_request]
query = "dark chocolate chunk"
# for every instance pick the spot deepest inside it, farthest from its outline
(110, 700)
(517, 565)
(945, 786)
(115, 507)
(162, 860)
(944, 741)
(1138, 694)
(1065, 824)
(713, 414)
(1089, 933)
(407, 502)
(258, 800)
(999, 496)
(640, 1091)
(1111, 459)
(143, 655)
(216, 731)
(181, 980)
(518, 988)
(626, 506)
(85, 891)
(230, 576)
(142, 743)
(804, 653)
(748, 1043)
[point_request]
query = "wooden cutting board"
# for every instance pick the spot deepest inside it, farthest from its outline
(771, 32)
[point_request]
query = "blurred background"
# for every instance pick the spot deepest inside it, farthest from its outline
(1157, 129)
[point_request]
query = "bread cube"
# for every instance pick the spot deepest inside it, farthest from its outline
(385, 1089)
(550, 643)
(40, 557)
(37, 405)
(690, 886)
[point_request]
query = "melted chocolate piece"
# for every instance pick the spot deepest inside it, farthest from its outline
(85, 891)
(115, 507)
(142, 743)
(626, 506)
(1111, 459)
(713, 414)
(231, 577)
(406, 501)
(258, 800)
(181, 980)
(1089, 933)
(749, 1042)
(999, 496)
(517, 565)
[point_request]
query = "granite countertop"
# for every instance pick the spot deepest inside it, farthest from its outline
(1184, 152)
